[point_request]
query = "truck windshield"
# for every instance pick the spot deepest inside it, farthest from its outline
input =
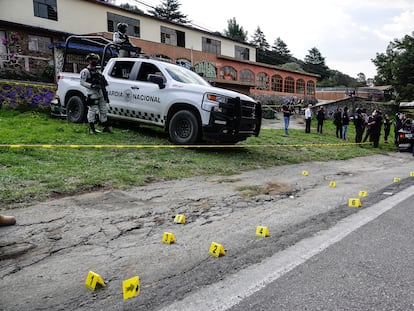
(184, 75)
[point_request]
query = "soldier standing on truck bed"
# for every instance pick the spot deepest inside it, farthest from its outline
(97, 96)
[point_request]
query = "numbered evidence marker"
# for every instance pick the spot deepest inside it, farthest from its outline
(92, 280)
(305, 173)
(362, 194)
(332, 184)
(354, 203)
(217, 250)
(131, 287)
(412, 174)
(168, 238)
(262, 231)
(396, 179)
(179, 219)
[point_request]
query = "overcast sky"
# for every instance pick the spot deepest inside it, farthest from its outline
(348, 33)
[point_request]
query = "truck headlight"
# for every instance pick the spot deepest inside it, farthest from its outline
(212, 102)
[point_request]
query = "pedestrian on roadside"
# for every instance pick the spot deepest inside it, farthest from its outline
(359, 123)
(398, 125)
(286, 117)
(368, 120)
(387, 128)
(345, 123)
(320, 116)
(337, 120)
(308, 118)
(375, 127)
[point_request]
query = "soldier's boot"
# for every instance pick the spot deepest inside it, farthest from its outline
(106, 128)
(7, 220)
(92, 129)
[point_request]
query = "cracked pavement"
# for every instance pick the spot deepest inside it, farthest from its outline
(45, 257)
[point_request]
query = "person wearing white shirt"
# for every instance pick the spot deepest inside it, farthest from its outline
(308, 118)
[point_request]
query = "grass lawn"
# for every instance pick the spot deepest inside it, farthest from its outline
(29, 175)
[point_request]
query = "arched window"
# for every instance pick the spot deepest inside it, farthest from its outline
(277, 83)
(289, 85)
(262, 81)
(228, 73)
(310, 88)
(300, 86)
(246, 75)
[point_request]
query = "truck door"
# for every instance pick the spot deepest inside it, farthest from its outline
(136, 98)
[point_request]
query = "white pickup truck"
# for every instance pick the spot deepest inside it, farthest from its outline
(159, 93)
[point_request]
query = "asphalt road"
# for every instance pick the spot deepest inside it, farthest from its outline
(46, 256)
(362, 263)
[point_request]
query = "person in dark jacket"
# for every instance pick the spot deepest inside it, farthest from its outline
(359, 123)
(375, 127)
(337, 120)
(320, 116)
(387, 128)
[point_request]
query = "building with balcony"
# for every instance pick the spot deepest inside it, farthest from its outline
(28, 28)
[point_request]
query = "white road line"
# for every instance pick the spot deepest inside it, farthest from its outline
(234, 288)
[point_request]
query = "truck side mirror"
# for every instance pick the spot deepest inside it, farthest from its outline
(153, 78)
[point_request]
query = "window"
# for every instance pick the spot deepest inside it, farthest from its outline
(300, 86)
(247, 76)
(133, 29)
(3, 48)
(228, 73)
(211, 46)
(39, 44)
(122, 70)
(310, 88)
(289, 85)
(262, 81)
(277, 83)
(45, 9)
(145, 70)
(241, 53)
(172, 37)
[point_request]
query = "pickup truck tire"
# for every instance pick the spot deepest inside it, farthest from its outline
(184, 128)
(75, 109)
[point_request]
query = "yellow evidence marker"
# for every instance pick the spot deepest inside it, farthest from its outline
(217, 250)
(396, 179)
(262, 231)
(131, 287)
(354, 203)
(363, 194)
(412, 174)
(305, 173)
(92, 280)
(168, 238)
(179, 219)
(332, 184)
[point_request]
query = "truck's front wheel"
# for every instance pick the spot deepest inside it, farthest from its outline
(75, 109)
(184, 128)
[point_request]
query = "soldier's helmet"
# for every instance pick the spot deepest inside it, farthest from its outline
(122, 27)
(92, 56)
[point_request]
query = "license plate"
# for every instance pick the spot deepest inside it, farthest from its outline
(408, 135)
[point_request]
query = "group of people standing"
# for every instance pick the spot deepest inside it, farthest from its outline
(370, 125)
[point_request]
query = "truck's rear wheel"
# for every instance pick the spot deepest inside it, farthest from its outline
(184, 128)
(76, 110)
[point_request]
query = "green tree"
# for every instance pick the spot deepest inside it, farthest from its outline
(259, 40)
(281, 51)
(132, 8)
(170, 10)
(396, 67)
(235, 31)
(315, 63)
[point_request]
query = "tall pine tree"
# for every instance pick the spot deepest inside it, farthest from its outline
(170, 10)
